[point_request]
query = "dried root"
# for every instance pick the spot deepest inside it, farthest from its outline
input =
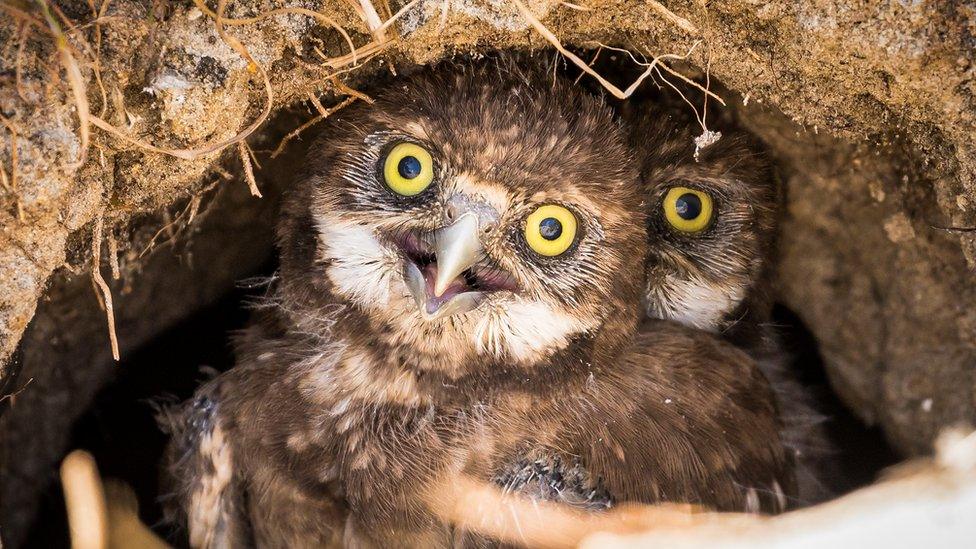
(245, 153)
(106, 292)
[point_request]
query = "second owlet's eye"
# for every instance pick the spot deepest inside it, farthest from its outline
(688, 210)
(408, 169)
(550, 230)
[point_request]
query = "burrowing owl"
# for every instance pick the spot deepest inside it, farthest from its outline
(462, 266)
(712, 223)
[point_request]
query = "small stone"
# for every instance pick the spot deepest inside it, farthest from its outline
(877, 192)
(899, 228)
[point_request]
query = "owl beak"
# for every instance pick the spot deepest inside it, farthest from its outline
(457, 247)
(437, 289)
(434, 308)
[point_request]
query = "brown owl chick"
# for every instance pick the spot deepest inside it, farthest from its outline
(712, 216)
(712, 222)
(459, 294)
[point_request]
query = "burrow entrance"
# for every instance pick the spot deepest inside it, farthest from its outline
(190, 273)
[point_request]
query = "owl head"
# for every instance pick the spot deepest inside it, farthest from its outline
(470, 215)
(711, 224)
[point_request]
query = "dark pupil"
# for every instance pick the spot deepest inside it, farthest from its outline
(409, 167)
(550, 228)
(688, 206)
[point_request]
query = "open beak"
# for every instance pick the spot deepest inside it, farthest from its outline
(440, 290)
(457, 247)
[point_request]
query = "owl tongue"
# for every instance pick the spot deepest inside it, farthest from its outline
(457, 286)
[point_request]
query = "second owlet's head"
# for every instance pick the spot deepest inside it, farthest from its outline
(711, 225)
(471, 215)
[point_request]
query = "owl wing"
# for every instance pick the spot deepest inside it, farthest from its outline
(206, 496)
(687, 417)
(683, 417)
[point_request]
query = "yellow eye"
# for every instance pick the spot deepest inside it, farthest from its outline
(408, 169)
(550, 230)
(688, 210)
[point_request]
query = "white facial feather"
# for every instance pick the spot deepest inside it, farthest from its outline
(692, 302)
(361, 268)
(524, 331)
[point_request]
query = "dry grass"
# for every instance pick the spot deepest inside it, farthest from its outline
(366, 11)
(572, 6)
(10, 184)
(281, 11)
(99, 14)
(76, 82)
(393, 19)
(323, 114)
(344, 89)
(372, 18)
(12, 396)
(22, 34)
(191, 211)
(651, 68)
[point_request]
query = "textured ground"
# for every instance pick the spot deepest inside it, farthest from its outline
(869, 106)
